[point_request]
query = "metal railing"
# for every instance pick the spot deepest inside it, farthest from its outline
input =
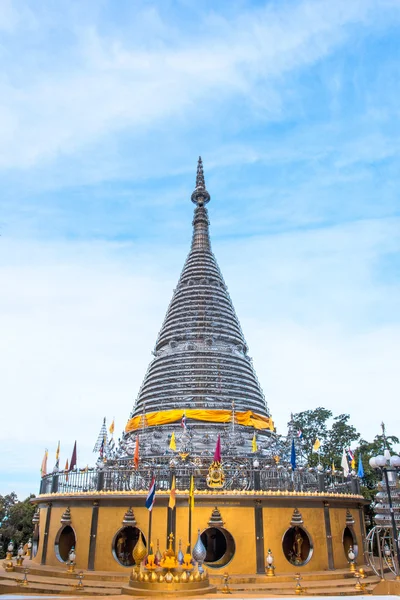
(238, 476)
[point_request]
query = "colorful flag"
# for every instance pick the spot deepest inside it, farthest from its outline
(151, 496)
(102, 446)
(254, 447)
(183, 421)
(172, 443)
(66, 470)
(58, 455)
(172, 495)
(344, 464)
(293, 456)
(217, 453)
(350, 454)
(191, 491)
(136, 455)
(360, 472)
(317, 445)
(112, 427)
(43, 468)
(300, 434)
(72, 464)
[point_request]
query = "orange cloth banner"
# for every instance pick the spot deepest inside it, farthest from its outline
(247, 418)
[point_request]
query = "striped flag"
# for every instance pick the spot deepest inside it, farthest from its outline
(151, 496)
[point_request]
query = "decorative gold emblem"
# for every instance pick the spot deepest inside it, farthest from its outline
(216, 475)
(184, 455)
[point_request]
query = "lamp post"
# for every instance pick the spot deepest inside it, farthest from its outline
(389, 464)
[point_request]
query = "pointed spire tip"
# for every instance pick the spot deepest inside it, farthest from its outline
(200, 195)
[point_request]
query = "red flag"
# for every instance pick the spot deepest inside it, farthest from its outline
(136, 455)
(217, 453)
(72, 464)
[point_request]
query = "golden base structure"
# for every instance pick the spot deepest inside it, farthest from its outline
(305, 532)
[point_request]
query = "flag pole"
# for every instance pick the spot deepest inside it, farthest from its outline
(190, 526)
(149, 536)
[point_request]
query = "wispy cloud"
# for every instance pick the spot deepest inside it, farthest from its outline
(103, 111)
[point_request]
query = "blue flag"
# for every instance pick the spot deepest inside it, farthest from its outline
(360, 472)
(293, 456)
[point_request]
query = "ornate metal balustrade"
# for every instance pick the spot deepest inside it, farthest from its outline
(239, 475)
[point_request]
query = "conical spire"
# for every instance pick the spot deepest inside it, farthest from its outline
(200, 195)
(200, 358)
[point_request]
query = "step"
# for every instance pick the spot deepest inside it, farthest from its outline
(61, 572)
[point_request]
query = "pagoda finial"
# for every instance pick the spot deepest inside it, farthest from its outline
(200, 195)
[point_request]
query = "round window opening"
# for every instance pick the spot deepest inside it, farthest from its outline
(349, 539)
(65, 540)
(220, 547)
(123, 544)
(297, 546)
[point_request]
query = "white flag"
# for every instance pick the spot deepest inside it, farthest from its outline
(344, 464)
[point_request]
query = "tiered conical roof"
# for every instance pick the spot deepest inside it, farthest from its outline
(201, 359)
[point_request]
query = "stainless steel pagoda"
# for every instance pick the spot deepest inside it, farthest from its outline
(201, 362)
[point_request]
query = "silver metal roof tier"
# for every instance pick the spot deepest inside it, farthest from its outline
(200, 357)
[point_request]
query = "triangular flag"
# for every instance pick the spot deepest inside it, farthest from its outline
(360, 472)
(254, 447)
(58, 452)
(191, 491)
(333, 467)
(317, 445)
(66, 470)
(217, 453)
(112, 427)
(136, 455)
(172, 495)
(72, 464)
(344, 464)
(172, 443)
(293, 456)
(43, 468)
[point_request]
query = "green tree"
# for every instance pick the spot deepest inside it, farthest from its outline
(15, 520)
(314, 425)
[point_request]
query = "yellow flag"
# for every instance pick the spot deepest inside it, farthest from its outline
(112, 427)
(172, 444)
(254, 443)
(172, 499)
(191, 492)
(353, 463)
(58, 451)
(317, 445)
(333, 466)
(43, 468)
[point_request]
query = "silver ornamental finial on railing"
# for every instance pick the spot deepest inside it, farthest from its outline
(200, 195)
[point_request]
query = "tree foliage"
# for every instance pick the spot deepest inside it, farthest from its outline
(15, 521)
(314, 424)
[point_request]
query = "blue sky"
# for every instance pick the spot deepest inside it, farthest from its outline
(104, 109)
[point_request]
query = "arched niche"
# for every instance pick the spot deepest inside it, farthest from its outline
(297, 546)
(123, 544)
(349, 539)
(65, 540)
(220, 547)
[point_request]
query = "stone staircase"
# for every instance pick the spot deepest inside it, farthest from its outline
(55, 580)
(318, 583)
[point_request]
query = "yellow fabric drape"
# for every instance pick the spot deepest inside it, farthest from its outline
(247, 418)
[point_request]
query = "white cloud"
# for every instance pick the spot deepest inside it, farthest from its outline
(79, 321)
(107, 84)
